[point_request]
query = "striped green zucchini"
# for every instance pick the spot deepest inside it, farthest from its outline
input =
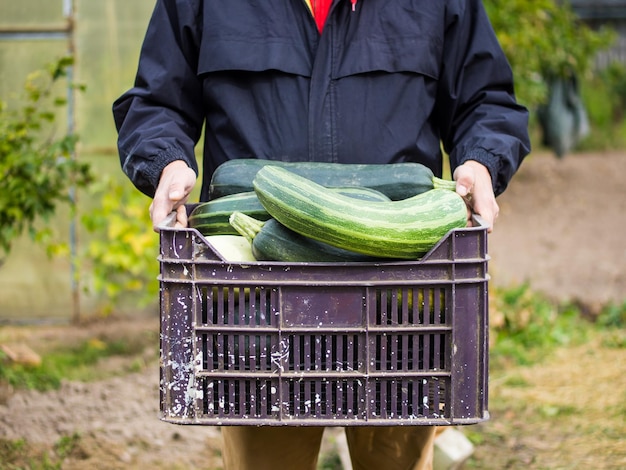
(272, 241)
(211, 218)
(358, 192)
(405, 229)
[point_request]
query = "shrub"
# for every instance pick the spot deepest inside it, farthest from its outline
(37, 168)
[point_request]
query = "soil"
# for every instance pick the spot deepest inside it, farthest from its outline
(561, 229)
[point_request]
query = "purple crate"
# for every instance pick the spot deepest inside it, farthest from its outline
(324, 344)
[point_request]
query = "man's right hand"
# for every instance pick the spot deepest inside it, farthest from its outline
(176, 183)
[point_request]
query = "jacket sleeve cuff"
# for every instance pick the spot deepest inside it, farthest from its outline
(490, 161)
(147, 174)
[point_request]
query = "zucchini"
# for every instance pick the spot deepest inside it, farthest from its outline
(211, 218)
(395, 180)
(272, 241)
(233, 248)
(358, 192)
(405, 229)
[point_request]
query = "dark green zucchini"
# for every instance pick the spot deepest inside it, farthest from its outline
(211, 218)
(395, 180)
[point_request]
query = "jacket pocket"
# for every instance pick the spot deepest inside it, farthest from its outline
(219, 54)
(402, 55)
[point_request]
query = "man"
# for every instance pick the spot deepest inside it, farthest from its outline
(349, 81)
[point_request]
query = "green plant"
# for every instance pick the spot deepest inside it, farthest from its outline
(11, 450)
(530, 325)
(605, 107)
(330, 461)
(613, 315)
(544, 38)
(612, 320)
(123, 249)
(21, 455)
(70, 363)
(614, 78)
(37, 168)
(66, 445)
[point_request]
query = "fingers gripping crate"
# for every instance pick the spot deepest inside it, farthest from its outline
(392, 343)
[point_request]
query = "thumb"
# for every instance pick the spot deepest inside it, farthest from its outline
(179, 189)
(465, 179)
(176, 193)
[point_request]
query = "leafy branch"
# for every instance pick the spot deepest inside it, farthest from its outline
(544, 38)
(37, 168)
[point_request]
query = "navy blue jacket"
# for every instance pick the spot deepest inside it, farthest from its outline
(390, 81)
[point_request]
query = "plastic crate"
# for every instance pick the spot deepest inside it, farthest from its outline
(324, 344)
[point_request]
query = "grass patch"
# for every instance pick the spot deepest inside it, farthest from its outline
(555, 396)
(21, 455)
(566, 409)
(526, 326)
(78, 362)
(613, 316)
(330, 461)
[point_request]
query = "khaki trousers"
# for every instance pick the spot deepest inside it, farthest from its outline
(297, 448)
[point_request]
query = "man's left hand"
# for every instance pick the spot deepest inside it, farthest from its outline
(473, 183)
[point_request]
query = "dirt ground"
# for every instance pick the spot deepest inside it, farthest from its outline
(561, 228)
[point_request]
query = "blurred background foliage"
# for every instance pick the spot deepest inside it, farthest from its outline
(37, 165)
(542, 38)
(117, 247)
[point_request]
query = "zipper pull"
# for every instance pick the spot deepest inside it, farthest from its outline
(353, 5)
